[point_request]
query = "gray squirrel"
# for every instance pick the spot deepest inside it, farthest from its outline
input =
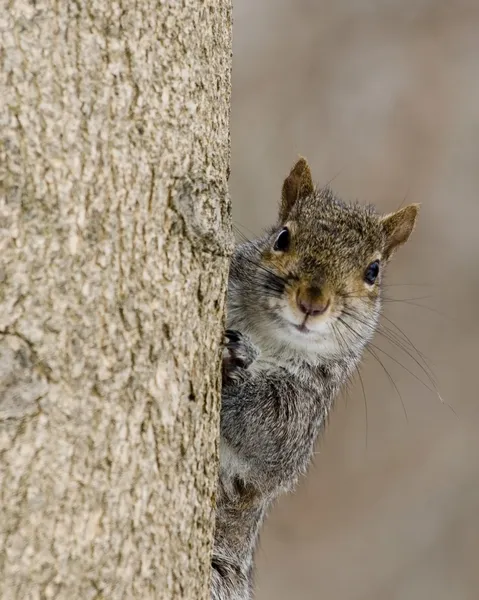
(303, 302)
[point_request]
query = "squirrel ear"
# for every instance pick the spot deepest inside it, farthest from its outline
(297, 185)
(398, 227)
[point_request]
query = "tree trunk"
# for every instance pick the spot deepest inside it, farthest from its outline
(114, 243)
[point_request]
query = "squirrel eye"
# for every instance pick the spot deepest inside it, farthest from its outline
(282, 241)
(371, 273)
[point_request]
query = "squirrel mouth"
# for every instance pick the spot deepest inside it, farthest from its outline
(302, 328)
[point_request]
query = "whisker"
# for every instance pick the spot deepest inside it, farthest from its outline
(265, 269)
(431, 378)
(386, 285)
(365, 404)
(388, 334)
(382, 365)
(337, 333)
(261, 266)
(394, 340)
(328, 183)
(423, 356)
(236, 226)
(405, 197)
(240, 234)
(393, 383)
(386, 299)
(433, 390)
(434, 310)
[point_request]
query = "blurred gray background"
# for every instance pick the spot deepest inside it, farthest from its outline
(382, 96)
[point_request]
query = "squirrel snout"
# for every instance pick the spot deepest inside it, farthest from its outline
(312, 303)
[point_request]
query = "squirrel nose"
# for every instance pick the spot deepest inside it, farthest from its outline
(312, 307)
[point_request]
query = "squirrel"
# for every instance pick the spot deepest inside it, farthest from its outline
(303, 301)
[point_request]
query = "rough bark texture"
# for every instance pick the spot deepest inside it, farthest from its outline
(115, 234)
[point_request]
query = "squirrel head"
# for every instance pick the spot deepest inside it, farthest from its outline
(319, 270)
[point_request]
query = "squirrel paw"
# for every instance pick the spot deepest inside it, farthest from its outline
(239, 353)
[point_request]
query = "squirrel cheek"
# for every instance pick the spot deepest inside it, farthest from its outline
(274, 302)
(370, 292)
(291, 301)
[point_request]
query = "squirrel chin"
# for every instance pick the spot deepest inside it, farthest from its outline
(304, 342)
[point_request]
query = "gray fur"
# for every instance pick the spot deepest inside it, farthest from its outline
(279, 385)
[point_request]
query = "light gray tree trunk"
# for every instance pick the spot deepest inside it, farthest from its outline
(114, 242)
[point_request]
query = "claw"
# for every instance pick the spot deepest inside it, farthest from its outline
(232, 335)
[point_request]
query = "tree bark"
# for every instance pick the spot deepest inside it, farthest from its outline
(114, 243)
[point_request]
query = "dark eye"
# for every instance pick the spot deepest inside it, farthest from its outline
(371, 273)
(282, 241)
